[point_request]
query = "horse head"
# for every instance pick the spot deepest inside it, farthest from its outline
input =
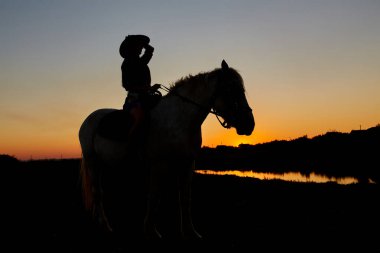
(230, 101)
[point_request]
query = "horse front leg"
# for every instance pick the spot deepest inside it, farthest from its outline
(188, 230)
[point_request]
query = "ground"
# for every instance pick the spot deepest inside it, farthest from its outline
(44, 211)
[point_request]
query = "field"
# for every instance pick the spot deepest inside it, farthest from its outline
(44, 212)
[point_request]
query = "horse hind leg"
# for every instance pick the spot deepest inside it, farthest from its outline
(150, 229)
(92, 192)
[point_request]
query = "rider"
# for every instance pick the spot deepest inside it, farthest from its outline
(136, 78)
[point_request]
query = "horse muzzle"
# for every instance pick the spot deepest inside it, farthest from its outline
(245, 124)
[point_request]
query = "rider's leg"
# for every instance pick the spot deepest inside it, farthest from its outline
(138, 115)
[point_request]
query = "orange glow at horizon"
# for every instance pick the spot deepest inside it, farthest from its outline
(230, 138)
(36, 151)
(66, 145)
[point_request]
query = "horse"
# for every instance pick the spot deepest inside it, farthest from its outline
(173, 139)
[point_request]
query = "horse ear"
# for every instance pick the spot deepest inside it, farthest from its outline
(224, 65)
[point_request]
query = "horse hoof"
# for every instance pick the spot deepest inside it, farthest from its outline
(152, 234)
(193, 236)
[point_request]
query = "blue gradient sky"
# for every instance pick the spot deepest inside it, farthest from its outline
(309, 66)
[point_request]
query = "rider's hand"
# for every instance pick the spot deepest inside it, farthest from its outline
(155, 87)
(149, 47)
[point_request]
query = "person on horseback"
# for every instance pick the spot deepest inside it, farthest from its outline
(136, 79)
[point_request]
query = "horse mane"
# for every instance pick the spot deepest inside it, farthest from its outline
(185, 80)
(193, 78)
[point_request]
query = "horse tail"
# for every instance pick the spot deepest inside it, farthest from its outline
(87, 185)
(90, 172)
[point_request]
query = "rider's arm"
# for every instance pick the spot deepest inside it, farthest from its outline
(148, 53)
(138, 88)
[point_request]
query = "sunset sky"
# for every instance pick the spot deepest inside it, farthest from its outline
(309, 66)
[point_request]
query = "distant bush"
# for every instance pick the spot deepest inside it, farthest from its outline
(333, 154)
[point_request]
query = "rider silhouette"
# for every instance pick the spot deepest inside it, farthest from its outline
(136, 78)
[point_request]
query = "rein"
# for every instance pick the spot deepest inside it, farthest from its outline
(223, 123)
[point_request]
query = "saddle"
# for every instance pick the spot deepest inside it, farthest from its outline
(115, 125)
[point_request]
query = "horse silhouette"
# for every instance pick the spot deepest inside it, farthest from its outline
(173, 140)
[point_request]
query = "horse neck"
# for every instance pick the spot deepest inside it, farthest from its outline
(200, 89)
(196, 95)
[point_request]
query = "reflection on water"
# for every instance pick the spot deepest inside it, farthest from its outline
(289, 176)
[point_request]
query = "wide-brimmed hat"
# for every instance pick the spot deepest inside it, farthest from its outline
(131, 42)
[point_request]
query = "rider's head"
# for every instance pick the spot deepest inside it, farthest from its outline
(133, 45)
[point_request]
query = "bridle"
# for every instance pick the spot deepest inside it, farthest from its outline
(222, 122)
